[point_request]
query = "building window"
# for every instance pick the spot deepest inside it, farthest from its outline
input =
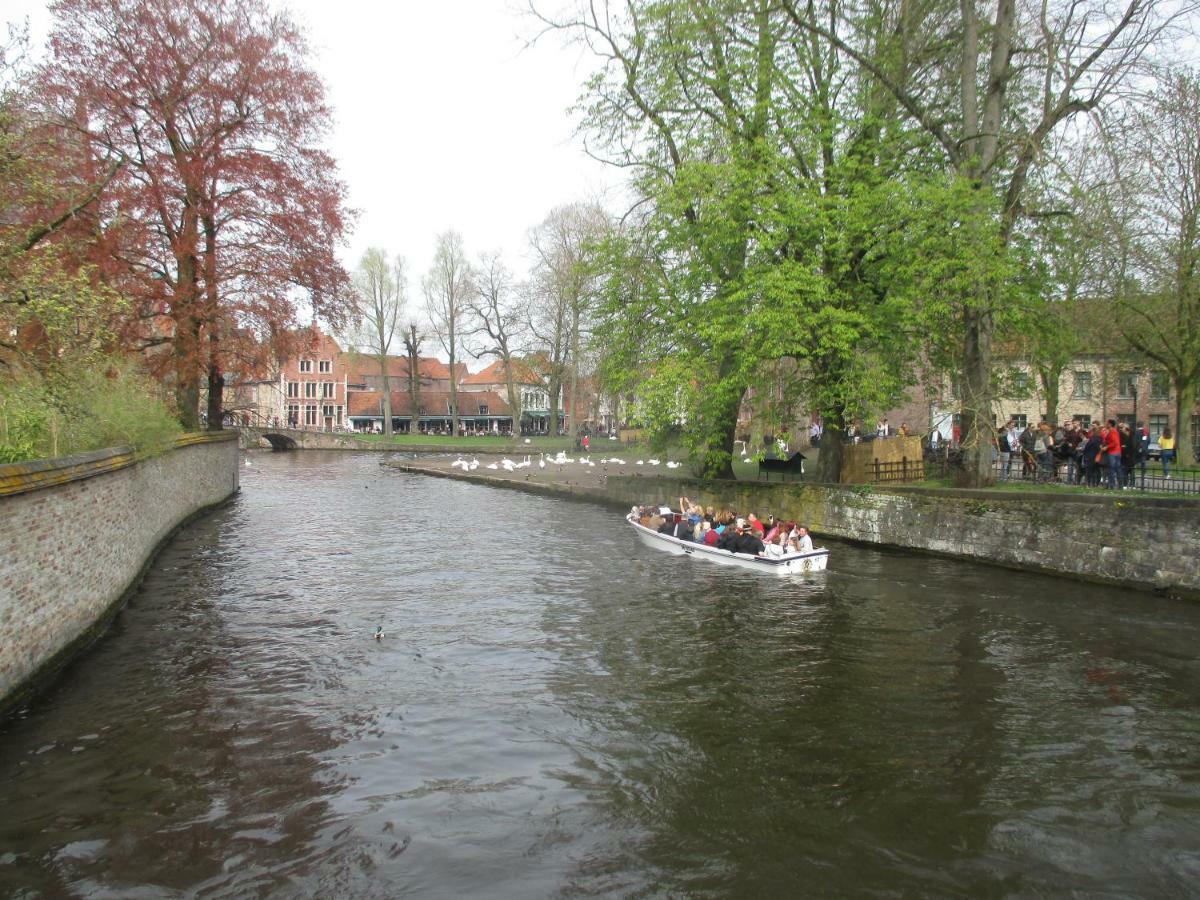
(1019, 420)
(1018, 383)
(483, 409)
(1160, 386)
(293, 414)
(1126, 385)
(328, 411)
(1084, 420)
(325, 366)
(293, 389)
(306, 365)
(1126, 419)
(327, 389)
(1083, 386)
(1158, 424)
(310, 389)
(310, 414)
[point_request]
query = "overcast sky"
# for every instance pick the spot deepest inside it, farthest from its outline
(444, 119)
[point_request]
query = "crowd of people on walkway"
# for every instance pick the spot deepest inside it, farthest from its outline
(1101, 453)
(726, 530)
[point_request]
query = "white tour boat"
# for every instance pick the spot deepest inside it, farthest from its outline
(792, 564)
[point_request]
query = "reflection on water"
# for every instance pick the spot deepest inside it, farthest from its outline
(556, 709)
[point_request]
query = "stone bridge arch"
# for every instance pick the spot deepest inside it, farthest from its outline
(279, 441)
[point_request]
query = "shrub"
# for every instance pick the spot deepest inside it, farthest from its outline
(107, 403)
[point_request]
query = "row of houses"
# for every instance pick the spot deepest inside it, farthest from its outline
(1091, 388)
(328, 388)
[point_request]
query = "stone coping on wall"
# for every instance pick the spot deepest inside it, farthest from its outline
(1107, 498)
(23, 477)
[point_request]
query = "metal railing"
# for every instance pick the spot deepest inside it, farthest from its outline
(1018, 469)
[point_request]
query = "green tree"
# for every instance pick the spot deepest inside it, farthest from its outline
(766, 165)
(380, 289)
(989, 83)
(1153, 212)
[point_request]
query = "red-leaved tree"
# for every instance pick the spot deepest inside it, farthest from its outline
(225, 217)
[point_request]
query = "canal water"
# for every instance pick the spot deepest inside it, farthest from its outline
(556, 710)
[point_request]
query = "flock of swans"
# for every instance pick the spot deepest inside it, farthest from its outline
(559, 460)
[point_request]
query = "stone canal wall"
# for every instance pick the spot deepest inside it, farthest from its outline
(78, 532)
(1147, 543)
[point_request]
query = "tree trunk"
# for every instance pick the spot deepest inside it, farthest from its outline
(514, 399)
(385, 379)
(453, 399)
(718, 456)
(976, 410)
(187, 381)
(216, 391)
(216, 380)
(554, 389)
(1051, 379)
(414, 380)
(574, 407)
(1185, 403)
(831, 448)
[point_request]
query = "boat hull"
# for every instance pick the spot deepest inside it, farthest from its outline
(793, 564)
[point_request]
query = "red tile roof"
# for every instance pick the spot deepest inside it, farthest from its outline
(435, 403)
(361, 364)
(495, 374)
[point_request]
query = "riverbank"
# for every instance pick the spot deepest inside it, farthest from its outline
(79, 532)
(1143, 543)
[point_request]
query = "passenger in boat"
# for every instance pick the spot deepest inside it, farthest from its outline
(772, 530)
(705, 532)
(740, 538)
(753, 523)
(731, 537)
(750, 542)
(778, 546)
(683, 529)
(803, 542)
(653, 520)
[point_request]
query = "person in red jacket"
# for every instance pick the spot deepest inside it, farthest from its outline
(1112, 452)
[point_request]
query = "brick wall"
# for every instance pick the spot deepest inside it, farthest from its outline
(78, 532)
